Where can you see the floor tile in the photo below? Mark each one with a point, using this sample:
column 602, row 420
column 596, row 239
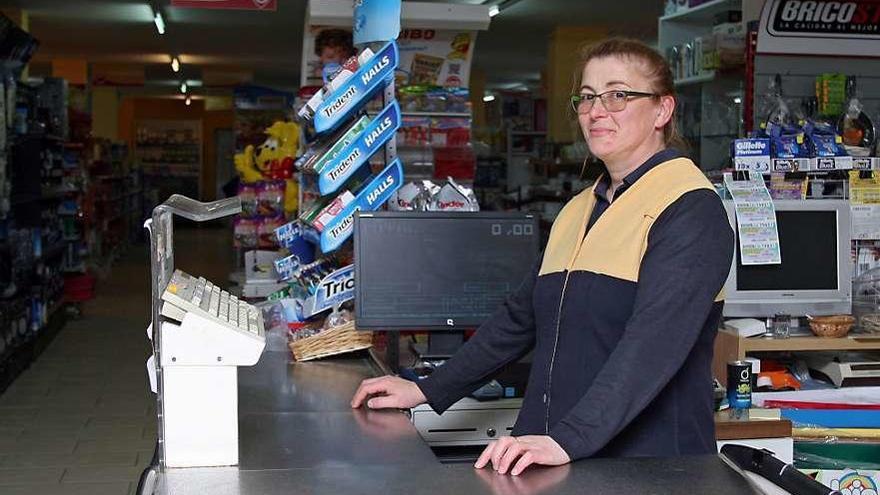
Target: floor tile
column 101, row 474
column 69, row 489
column 29, row 476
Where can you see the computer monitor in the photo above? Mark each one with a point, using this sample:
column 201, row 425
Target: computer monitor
column 439, row 270
column 814, row 277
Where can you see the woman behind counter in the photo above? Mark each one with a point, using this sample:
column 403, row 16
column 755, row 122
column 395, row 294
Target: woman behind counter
column 624, row 304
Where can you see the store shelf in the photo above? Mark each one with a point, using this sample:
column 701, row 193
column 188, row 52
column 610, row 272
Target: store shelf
column 75, row 269
column 702, row 14
column 731, row 347
column 854, row 342
column 53, row 251
column 702, row 78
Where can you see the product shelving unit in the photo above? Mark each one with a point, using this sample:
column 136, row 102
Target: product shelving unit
column 704, row 95
column 169, row 154
column 732, row 347
column 522, row 147
column 33, row 238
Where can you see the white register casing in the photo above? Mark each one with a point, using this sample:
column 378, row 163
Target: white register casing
column 200, row 378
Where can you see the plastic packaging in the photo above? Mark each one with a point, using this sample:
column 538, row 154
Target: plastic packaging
column 866, row 300
column 787, row 141
column 454, row 197
column 823, row 140
column 857, row 129
column 266, row 230
column 270, row 198
column 776, row 108
column 245, row 233
column 248, row 194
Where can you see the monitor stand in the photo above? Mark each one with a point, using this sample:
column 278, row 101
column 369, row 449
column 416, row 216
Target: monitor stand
column 441, row 345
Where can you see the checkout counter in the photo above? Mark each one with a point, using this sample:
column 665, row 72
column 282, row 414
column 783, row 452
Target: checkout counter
column 296, row 430
column 298, row 434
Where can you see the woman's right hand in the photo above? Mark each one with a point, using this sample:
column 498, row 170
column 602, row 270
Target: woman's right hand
column 388, row 392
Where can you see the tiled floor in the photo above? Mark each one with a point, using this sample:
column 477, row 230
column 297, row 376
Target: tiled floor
column 81, row 419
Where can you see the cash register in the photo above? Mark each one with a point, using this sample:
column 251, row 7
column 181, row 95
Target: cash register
column 204, row 335
column 444, row 273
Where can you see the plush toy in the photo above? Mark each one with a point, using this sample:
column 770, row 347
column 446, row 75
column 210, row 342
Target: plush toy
column 273, row 160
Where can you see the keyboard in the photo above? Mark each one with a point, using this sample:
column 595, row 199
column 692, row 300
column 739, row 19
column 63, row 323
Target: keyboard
column 185, row 294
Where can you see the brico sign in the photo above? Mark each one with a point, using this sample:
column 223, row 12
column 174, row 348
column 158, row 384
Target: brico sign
column 818, row 27
column 828, row 17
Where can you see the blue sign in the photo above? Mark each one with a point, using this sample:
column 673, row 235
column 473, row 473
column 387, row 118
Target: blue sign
column 354, row 93
column 333, row 290
column 376, row 20
column 370, row 198
column 358, row 152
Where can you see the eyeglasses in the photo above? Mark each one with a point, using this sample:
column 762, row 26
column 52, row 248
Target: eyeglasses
column 613, row 101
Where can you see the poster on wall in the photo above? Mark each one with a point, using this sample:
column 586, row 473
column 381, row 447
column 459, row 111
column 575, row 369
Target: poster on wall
column 428, row 57
column 850, row 28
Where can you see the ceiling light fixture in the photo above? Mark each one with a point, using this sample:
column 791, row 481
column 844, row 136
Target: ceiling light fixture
column 160, row 22
column 188, row 101
column 499, row 6
column 175, row 64
column 183, row 88
column 489, row 98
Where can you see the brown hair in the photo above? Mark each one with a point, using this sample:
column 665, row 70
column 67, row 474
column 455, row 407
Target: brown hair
column 334, row 38
column 655, row 68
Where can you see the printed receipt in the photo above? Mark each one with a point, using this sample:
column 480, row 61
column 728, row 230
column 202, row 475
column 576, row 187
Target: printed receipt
column 755, row 220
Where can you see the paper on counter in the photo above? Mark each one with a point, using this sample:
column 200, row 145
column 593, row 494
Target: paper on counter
column 755, row 220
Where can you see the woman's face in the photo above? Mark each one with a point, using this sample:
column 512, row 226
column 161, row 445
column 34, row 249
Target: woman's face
column 635, row 129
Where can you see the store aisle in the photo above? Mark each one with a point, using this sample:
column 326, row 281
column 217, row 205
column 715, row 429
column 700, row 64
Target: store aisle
column 81, row 420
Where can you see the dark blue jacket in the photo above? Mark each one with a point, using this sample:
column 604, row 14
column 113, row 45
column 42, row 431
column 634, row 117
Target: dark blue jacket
column 621, row 311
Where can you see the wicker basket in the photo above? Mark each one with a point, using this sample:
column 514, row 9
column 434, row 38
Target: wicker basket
column 342, row 339
column 832, row 326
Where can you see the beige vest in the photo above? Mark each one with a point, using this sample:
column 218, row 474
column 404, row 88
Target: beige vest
column 617, row 241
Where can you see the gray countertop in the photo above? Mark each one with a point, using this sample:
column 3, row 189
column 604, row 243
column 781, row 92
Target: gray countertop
column 299, row 435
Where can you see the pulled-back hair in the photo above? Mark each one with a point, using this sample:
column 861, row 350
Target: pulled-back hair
column 654, row 67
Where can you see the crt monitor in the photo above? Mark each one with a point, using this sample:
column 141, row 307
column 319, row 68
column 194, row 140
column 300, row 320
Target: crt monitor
column 814, row 277
column 439, row 270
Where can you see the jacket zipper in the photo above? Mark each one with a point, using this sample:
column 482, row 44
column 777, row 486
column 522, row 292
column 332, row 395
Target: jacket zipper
column 547, row 395
column 553, row 356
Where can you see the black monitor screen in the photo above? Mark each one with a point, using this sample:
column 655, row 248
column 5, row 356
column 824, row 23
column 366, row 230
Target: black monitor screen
column 808, row 245
column 425, row 270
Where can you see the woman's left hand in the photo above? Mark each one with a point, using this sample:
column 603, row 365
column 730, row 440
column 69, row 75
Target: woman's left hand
column 525, row 450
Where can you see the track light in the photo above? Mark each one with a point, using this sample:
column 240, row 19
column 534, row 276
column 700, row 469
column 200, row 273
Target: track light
column 183, row 88
column 494, row 10
column 160, row 22
column 175, row 64
column 489, row 98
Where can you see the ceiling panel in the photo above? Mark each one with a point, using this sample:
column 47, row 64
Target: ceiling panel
column 269, row 44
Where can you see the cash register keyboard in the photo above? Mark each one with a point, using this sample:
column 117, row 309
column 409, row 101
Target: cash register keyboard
column 185, row 293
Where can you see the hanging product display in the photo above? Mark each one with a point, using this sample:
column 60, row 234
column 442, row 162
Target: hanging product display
column 791, row 140
column 857, row 129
